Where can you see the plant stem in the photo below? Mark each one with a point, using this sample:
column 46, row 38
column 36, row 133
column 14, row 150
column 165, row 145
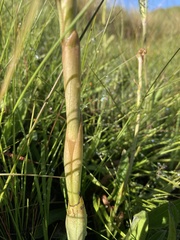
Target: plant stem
column 143, row 12
column 134, row 148
column 76, row 218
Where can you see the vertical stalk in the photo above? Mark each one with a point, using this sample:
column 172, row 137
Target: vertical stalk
column 143, row 13
column 76, row 218
column 134, row 150
column 141, row 63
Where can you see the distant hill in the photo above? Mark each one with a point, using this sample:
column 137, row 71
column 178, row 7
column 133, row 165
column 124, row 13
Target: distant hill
column 164, row 22
column 160, row 22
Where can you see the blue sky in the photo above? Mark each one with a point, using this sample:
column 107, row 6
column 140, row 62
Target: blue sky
column 152, row 4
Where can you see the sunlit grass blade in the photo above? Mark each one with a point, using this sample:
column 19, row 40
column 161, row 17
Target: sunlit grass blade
column 20, row 41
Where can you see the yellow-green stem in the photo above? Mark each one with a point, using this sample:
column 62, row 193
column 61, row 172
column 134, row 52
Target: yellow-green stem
column 143, row 12
column 73, row 151
column 67, row 12
column 134, row 149
column 76, row 219
column 140, row 57
column 73, row 140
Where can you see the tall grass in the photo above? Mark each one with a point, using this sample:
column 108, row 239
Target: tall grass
column 32, row 120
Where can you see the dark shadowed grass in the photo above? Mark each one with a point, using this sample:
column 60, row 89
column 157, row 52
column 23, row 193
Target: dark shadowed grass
column 32, row 197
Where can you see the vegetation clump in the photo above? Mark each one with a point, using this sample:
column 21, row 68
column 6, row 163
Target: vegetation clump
column 131, row 122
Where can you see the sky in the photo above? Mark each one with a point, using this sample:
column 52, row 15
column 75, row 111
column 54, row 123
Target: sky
column 152, row 4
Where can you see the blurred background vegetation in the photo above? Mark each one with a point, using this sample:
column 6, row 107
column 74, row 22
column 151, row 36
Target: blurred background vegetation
column 32, row 123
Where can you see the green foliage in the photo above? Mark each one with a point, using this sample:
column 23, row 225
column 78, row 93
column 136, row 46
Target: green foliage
column 164, row 220
column 32, row 126
column 139, row 227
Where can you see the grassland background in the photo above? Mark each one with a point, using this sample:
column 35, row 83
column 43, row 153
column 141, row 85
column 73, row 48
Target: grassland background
column 32, row 186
